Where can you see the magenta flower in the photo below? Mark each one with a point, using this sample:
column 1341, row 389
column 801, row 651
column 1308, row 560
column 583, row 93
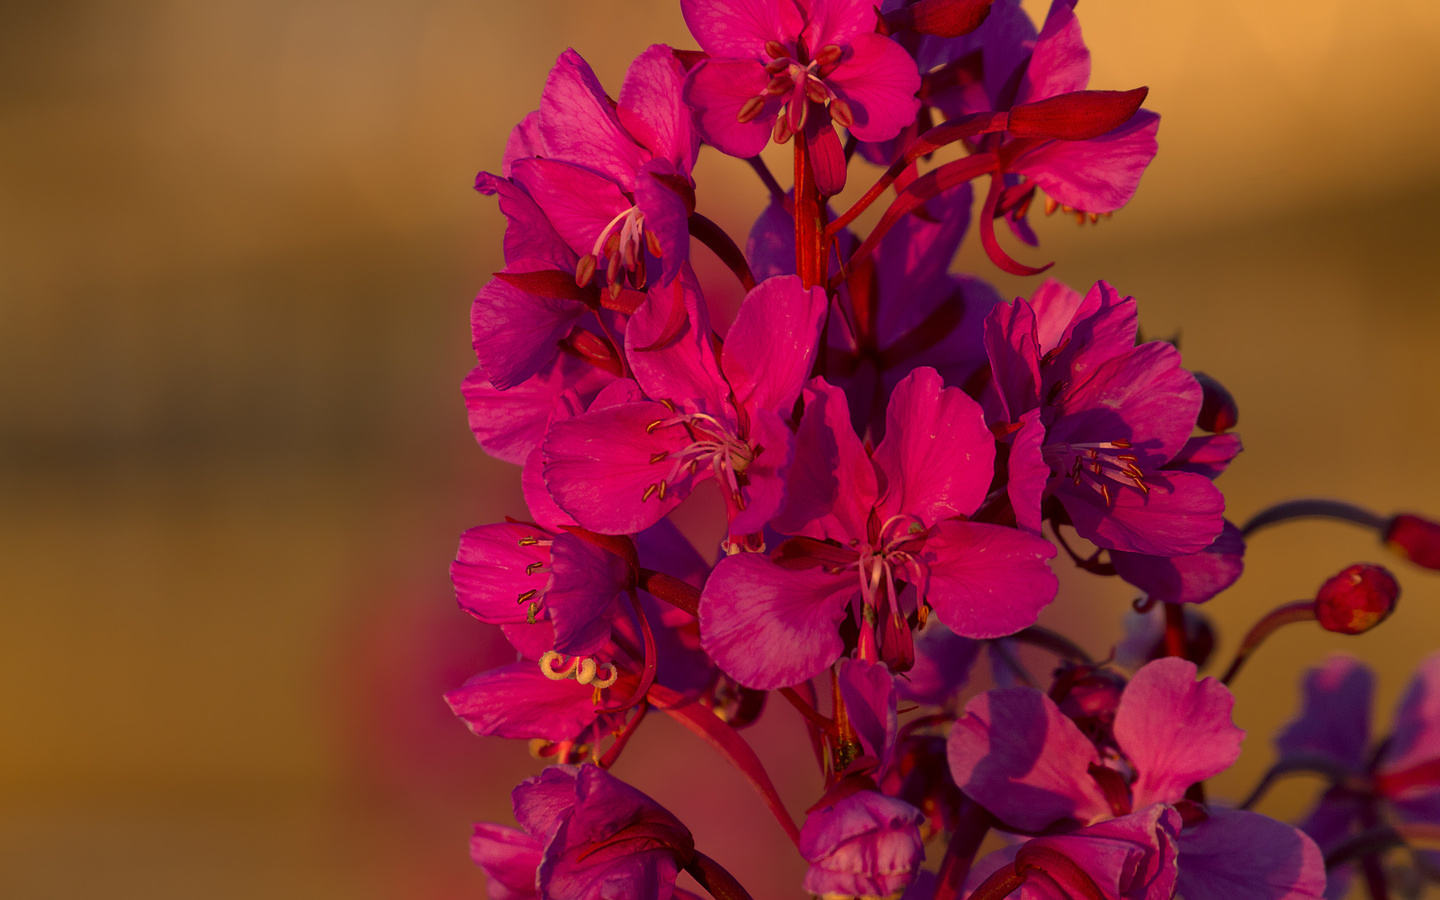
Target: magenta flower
column 863, row 844
column 882, row 541
column 509, row 858
column 1018, row 755
column 781, row 67
column 1398, row 780
column 1100, row 420
column 722, row 415
column 601, row 838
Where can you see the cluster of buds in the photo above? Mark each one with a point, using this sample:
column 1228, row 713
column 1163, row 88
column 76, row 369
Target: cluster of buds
column 902, row 457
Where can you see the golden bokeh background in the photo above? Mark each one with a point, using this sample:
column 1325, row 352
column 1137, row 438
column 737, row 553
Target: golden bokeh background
column 237, row 251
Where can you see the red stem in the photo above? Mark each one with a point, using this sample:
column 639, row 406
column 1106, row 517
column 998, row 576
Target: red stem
column 1175, row 630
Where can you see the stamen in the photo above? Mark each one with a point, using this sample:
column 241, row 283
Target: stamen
column 842, row 114
column 782, row 132
column 534, row 567
column 526, row 596
column 659, row 457
column 778, row 85
column 653, row 243
column 649, row 492
column 585, row 269
column 776, row 50
column 828, row 55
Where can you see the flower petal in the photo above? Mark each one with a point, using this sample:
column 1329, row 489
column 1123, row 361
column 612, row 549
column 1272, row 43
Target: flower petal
column 741, row 27
column 986, row 580
column 1244, row 854
column 1193, row 578
column 652, row 110
column 769, row 350
column 717, row 89
column 517, row 701
column 832, row 484
column 1334, row 719
column 1099, row 175
column 878, row 79
column 770, row 627
column 1180, row 515
column 580, row 127
column 938, row 457
column 1174, row 730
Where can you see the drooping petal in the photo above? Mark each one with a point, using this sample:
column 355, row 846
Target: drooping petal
column 542, row 801
column 878, row 80
column 1194, row 578
column 864, row 845
column 741, row 28
column 938, row 457
column 652, row 110
column 770, row 627
column 599, row 467
column 509, row 859
column 517, row 701
column 1244, row 854
column 1017, row 755
column 1099, row 175
column 986, row 580
column 1207, row 454
column 769, row 350
column 1174, row 730
column 832, row 485
column 493, row 568
column 510, row 424
column 717, row 89
column 579, row 125
column 1181, row 514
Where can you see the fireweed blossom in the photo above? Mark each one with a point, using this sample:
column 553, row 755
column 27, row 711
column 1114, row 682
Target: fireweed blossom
column 779, row 68
column 887, row 441
column 866, row 524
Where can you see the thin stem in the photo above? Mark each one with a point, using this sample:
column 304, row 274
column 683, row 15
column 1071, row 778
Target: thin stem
column 1313, row 509
column 1175, row 630
column 825, row 724
column 808, row 227
column 972, row 824
column 1007, row 655
column 777, row 193
column 1318, row 765
column 1058, row 644
column 1299, row 611
column 672, row 590
column 720, row 242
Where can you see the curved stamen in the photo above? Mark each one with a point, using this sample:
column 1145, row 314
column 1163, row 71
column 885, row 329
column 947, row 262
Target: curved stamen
column 1098, row 464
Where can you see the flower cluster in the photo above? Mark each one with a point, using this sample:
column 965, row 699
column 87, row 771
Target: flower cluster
column 902, row 458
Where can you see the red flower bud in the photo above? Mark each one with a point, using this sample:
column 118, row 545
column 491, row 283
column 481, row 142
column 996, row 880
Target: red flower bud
column 1357, row 599
column 1077, row 116
column 1416, row 539
column 1218, row 410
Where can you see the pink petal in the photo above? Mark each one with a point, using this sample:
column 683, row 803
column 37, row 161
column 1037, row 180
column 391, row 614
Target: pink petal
column 831, row 486
column 515, row 333
column 509, row 859
column 578, row 202
column 1207, row 454
column 1334, row 721
column 598, row 468
column 1175, row 731
column 741, row 28
column 584, row 582
column 665, row 217
column 1181, row 514
column 717, row 89
column 1054, row 304
column 769, row 627
column 1194, row 578
column 838, row 22
column 1415, row 739
column 770, row 348
column 652, row 110
column 1011, row 343
column 1244, row 854
column 1100, row 329
column 1099, row 175
column 988, row 581
column 525, row 140
column 1145, row 397
column 543, row 509
column 1059, row 63
column 579, row 126
column 668, row 345
column 528, row 231
column 489, row 571
column 938, row 457
column 869, row 691
column 517, row 701
column 765, row 491
column 879, row 80
column 1017, row 755
column 510, row 424
column 1028, row 473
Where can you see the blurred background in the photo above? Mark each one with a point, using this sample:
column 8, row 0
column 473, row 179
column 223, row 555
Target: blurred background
column 238, row 247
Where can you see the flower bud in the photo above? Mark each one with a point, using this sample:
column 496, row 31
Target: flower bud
column 1416, row 539
column 1218, row 410
column 942, row 18
column 1357, row 599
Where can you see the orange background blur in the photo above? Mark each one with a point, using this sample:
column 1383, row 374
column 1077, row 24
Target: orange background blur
column 237, row 251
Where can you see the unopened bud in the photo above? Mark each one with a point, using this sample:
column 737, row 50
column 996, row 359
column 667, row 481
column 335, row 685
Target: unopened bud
column 1077, row 116
column 1416, row 539
column 1218, row 411
column 1357, row 599
column 942, row 18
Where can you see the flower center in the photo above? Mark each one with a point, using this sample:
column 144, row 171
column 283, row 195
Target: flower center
column 1100, row 464
column 621, row 244
column 712, row 443
column 803, row 82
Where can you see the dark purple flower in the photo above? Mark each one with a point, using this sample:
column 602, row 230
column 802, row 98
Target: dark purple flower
column 872, row 522
column 1100, row 421
column 864, row 844
column 782, row 67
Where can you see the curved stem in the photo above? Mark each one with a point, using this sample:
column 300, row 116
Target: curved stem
column 1317, row 765
column 972, row 824
column 672, row 590
column 1299, row 611
column 1313, row 509
column 1056, row 643
column 714, row 878
column 777, row 193
column 719, row 241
